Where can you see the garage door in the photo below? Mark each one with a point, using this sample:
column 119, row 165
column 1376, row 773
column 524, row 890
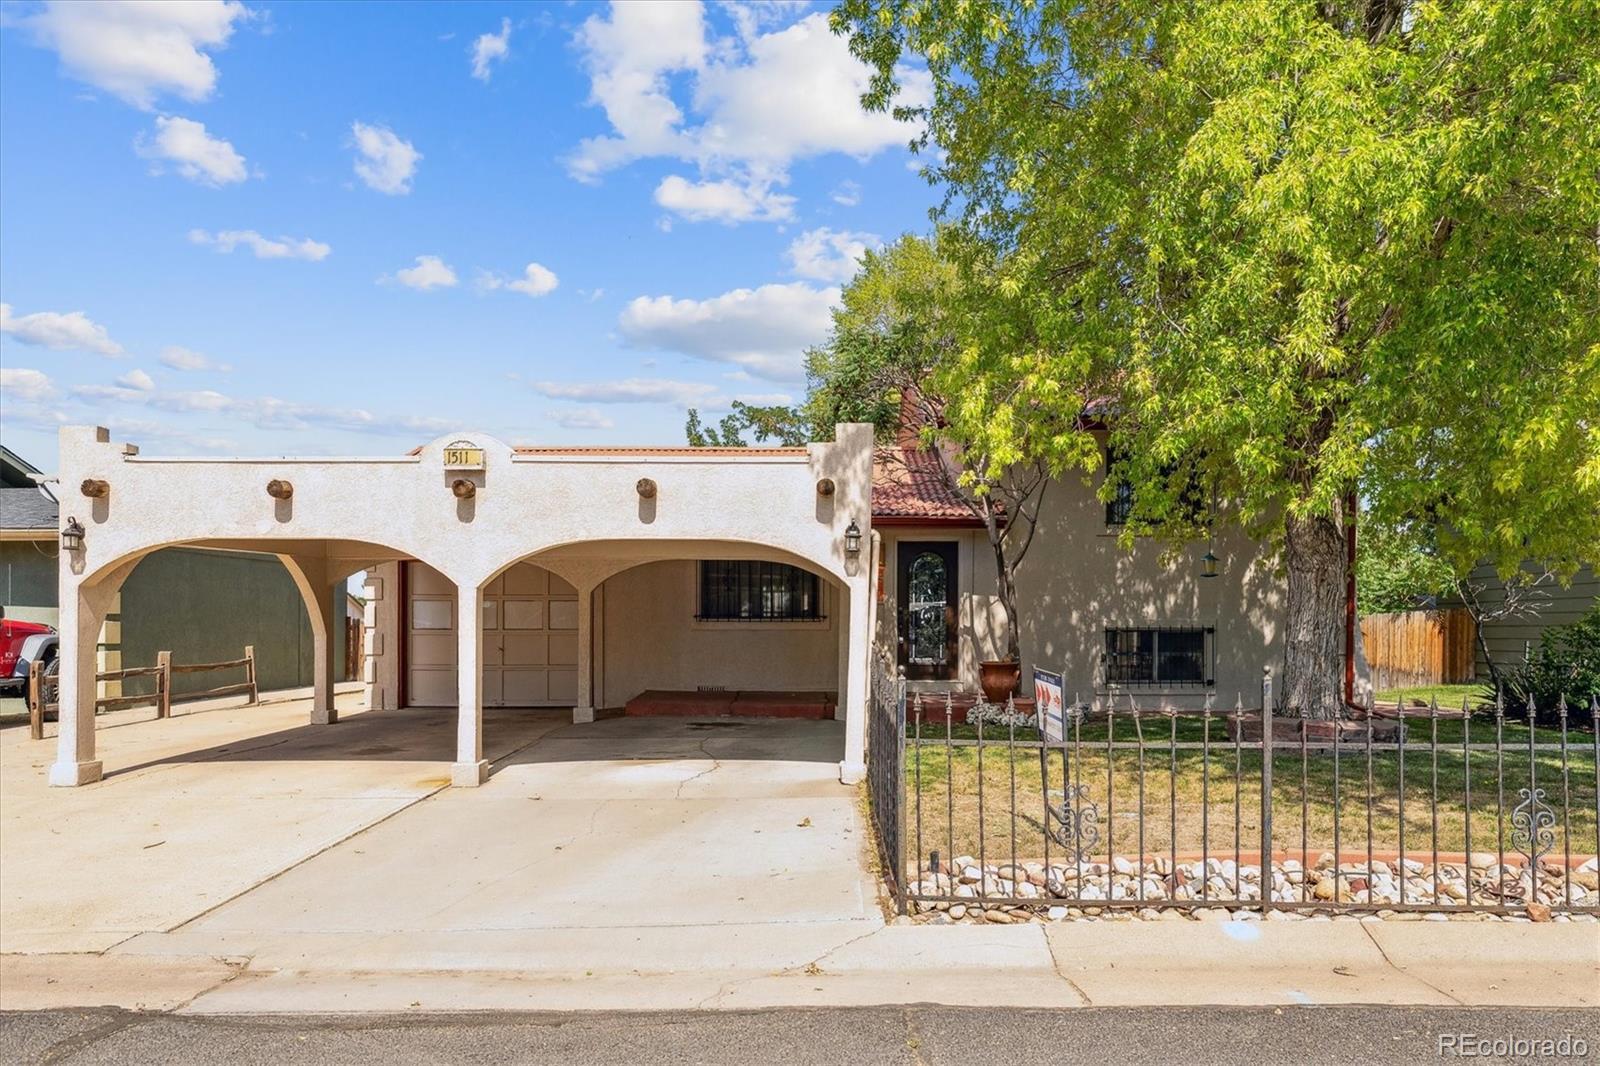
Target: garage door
column 530, row 639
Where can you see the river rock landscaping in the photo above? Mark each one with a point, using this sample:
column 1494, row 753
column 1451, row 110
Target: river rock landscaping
column 1219, row 889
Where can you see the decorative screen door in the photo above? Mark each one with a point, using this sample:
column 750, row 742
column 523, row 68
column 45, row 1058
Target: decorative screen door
column 926, row 588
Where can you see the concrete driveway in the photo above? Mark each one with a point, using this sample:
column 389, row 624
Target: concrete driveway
column 660, row 840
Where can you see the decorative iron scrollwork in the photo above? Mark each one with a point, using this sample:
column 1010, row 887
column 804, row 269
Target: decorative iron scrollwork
column 1533, row 825
column 1075, row 825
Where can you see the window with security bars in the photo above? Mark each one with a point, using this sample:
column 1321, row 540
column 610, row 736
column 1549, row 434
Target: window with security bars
column 1165, row 656
column 741, row 590
column 1119, row 508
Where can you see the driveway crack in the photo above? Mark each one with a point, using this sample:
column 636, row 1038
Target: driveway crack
column 716, row 765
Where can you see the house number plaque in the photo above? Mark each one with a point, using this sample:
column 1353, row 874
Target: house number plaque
column 463, row 455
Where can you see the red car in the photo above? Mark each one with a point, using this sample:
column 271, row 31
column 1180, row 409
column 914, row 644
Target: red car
column 12, row 634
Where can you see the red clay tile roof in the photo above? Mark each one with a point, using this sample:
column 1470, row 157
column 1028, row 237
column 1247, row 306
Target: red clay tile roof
column 908, row 486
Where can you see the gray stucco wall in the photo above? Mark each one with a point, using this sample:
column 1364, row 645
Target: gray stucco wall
column 1077, row 580
column 28, row 580
column 205, row 606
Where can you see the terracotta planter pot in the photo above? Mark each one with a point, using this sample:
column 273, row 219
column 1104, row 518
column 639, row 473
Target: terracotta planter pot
column 999, row 678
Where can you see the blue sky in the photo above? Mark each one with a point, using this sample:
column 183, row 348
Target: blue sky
column 326, row 228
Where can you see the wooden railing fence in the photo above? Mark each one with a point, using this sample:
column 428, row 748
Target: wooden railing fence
column 40, row 691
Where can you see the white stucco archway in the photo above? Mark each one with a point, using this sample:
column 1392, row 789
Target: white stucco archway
column 565, row 507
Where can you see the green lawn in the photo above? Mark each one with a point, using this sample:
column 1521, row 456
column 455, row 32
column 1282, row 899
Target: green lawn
column 1451, row 696
column 1197, row 801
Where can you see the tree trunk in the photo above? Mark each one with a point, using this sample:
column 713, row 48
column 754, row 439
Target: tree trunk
column 1314, row 651
column 1006, row 586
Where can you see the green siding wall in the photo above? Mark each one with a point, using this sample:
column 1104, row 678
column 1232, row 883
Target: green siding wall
column 28, row 579
column 205, row 606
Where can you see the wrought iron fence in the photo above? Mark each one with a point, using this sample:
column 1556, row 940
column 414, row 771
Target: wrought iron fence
column 1436, row 811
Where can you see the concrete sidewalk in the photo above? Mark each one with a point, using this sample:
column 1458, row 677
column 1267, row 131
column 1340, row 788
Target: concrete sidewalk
column 1066, row 965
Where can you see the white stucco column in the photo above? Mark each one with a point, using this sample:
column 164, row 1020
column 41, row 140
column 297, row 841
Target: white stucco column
column 81, row 612
column 853, row 694
column 327, row 647
column 583, row 710
column 470, row 768
column 320, row 593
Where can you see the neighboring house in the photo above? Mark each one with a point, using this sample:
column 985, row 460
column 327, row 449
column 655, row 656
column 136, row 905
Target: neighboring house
column 1509, row 638
column 27, row 543
column 201, row 605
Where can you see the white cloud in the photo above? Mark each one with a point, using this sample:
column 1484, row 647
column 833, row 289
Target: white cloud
column 431, row 272
column 60, row 331
column 138, row 51
column 179, row 358
column 629, row 56
column 798, row 94
column 846, row 193
column 759, row 100
column 581, row 418
column 197, row 155
column 536, row 280
column 765, row 330
column 490, row 48
column 137, row 379
column 31, row 386
column 386, row 163
column 168, row 434
column 723, row 201
column 263, row 247
column 627, row 390
column 263, row 412
column 830, row 255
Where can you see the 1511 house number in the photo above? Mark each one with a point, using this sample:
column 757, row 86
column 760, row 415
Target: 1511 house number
column 463, row 455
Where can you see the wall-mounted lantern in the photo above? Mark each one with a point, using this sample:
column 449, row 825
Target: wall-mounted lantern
column 825, row 487
column 279, row 489
column 463, row 489
column 1208, row 564
column 72, row 536
column 852, row 539
column 95, row 489
column 647, row 488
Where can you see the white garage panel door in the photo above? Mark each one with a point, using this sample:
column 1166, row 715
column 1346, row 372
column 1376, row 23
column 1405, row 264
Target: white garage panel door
column 530, row 639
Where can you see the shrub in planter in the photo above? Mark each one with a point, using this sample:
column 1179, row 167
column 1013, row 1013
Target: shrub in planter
column 1565, row 664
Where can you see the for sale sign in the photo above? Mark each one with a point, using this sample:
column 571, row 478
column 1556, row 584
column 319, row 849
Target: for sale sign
column 1050, row 706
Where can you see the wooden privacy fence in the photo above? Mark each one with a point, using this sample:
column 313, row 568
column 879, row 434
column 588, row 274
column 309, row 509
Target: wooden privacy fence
column 1411, row 648
column 42, row 695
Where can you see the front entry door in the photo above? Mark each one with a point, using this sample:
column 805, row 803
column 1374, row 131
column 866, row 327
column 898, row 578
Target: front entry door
column 929, row 633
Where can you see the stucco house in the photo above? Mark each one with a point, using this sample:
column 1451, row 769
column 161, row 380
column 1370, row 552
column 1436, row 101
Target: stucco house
column 661, row 580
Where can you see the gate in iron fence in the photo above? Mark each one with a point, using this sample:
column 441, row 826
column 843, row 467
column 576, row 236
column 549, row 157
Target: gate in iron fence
column 886, row 743
column 1437, row 811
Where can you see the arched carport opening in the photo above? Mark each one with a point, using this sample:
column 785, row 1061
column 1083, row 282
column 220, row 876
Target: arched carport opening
column 586, row 627
column 317, row 569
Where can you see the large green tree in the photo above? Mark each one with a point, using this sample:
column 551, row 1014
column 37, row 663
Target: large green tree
column 1318, row 252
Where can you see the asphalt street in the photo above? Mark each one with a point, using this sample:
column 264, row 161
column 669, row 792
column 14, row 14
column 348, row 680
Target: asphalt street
column 921, row 1036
